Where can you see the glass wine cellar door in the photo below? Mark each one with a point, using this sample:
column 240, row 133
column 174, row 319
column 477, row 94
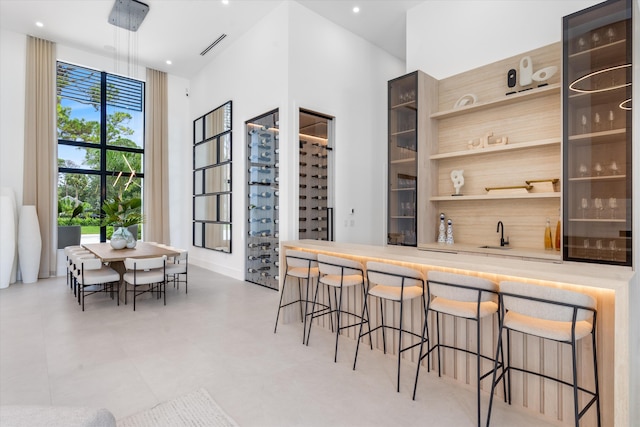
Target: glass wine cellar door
column 597, row 70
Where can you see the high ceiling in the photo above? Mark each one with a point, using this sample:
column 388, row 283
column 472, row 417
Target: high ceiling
column 178, row 30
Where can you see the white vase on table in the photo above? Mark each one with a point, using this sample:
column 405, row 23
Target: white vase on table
column 7, row 240
column 29, row 244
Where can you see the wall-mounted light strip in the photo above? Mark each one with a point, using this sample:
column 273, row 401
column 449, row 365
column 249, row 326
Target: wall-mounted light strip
column 625, row 105
column 212, row 45
column 573, row 85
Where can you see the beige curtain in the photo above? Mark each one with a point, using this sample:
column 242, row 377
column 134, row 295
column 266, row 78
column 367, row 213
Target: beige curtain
column 40, row 145
column 156, row 161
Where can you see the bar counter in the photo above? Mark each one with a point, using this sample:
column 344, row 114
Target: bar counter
column 611, row 286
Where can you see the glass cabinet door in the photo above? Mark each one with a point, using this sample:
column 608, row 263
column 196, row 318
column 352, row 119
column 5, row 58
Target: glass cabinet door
column 263, row 207
column 597, row 134
column 403, row 165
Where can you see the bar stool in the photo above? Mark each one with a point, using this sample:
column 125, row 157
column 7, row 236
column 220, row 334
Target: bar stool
column 338, row 273
column 465, row 297
column 303, row 266
column 554, row 314
column 397, row 284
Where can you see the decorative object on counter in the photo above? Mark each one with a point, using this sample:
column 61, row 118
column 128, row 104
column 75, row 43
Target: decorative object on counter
column 511, row 78
column 487, row 141
column 544, row 185
column 544, row 74
column 441, row 230
column 514, row 189
column 29, row 244
column 458, row 180
column 548, row 245
column 466, row 99
column 526, row 71
column 449, row 240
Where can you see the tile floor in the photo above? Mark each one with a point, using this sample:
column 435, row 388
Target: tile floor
column 220, row 337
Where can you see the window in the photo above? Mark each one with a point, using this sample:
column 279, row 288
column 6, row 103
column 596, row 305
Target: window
column 100, row 142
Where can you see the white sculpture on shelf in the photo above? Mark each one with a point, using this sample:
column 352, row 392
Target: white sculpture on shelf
column 458, row 180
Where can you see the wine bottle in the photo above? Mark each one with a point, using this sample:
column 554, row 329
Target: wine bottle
column 558, row 233
column 547, row 236
column 319, row 208
column 261, row 220
column 319, row 197
column 264, row 207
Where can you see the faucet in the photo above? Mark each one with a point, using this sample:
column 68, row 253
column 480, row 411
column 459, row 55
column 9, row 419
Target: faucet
column 500, row 229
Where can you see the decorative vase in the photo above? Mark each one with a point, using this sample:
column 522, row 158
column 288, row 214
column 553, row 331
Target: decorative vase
column 441, row 231
column 7, row 241
column 29, row 244
column 122, row 238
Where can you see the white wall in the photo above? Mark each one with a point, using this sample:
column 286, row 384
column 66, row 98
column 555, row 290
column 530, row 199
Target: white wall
column 252, row 73
column 282, row 64
column 12, row 92
column 332, row 71
column 447, row 37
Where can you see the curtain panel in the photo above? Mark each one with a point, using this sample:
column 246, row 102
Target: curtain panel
column 40, row 146
column 156, row 164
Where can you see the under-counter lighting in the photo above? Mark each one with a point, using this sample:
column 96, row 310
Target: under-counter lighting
column 39, row 24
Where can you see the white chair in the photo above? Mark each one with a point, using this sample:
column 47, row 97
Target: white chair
column 397, row 284
column 338, row 273
column 466, row 297
column 177, row 266
column 94, row 277
column 145, row 275
column 68, row 250
column 553, row 314
column 302, row 266
column 75, row 258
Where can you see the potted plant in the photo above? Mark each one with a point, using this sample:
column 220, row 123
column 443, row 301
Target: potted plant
column 122, row 213
column 68, row 233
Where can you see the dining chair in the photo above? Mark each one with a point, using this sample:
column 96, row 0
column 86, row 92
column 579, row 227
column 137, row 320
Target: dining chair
column 177, row 266
column 94, row 277
column 145, row 275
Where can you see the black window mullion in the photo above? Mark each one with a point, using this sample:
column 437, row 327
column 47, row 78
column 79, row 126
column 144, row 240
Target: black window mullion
column 103, row 147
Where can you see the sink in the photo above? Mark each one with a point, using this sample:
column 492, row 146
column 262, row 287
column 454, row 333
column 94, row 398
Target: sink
column 504, row 248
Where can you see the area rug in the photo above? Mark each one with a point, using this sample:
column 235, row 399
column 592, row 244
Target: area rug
column 193, row 409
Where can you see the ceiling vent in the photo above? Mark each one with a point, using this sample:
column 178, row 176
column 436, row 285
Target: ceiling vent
column 128, row 14
column 212, row 45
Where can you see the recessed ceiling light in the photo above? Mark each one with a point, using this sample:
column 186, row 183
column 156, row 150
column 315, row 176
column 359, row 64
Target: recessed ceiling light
column 169, row 62
column 356, row 9
column 225, row 2
column 39, row 24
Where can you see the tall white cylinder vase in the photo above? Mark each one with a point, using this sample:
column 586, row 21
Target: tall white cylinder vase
column 7, row 240
column 29, row 244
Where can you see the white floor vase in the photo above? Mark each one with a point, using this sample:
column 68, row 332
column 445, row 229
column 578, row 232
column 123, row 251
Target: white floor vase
column 29, row 244
column 7, row 240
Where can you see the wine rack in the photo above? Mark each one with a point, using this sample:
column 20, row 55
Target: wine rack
column 262, row 263
column 314, row 214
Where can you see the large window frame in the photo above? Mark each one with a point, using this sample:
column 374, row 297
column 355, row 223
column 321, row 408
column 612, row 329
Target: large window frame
column 130, row 95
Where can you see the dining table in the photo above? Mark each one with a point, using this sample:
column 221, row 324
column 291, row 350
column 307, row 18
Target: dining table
column 115, row 257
